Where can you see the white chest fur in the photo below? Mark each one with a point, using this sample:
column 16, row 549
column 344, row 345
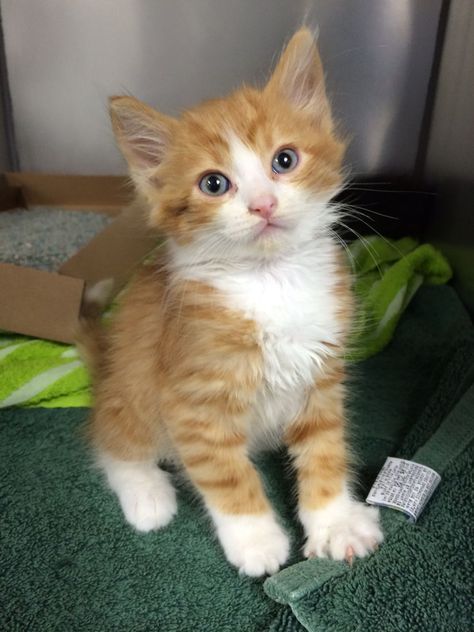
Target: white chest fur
column 293, row 304
column 292, row 301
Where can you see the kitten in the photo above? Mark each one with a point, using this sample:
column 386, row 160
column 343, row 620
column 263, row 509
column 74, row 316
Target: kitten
column 233, row 338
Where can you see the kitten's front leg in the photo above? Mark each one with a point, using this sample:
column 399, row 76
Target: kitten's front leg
column 214, row 455
column 335, row 524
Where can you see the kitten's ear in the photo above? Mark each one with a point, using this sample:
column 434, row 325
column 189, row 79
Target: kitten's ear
column 299, row 76
column 142, row 133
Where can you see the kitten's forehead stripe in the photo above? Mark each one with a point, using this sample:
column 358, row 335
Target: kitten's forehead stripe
column 252, row 176
column 242, row 112
column 203, row 134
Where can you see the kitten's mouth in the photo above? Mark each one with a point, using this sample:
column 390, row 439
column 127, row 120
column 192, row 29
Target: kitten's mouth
column 269, row 227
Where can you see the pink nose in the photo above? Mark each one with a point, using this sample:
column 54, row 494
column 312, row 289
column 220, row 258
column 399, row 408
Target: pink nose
column 264, row 205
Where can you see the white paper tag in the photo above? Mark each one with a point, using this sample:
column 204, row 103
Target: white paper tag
column 404, row 485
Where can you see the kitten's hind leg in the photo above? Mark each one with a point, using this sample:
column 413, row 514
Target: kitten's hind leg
column 128, row 439
column 145, row 492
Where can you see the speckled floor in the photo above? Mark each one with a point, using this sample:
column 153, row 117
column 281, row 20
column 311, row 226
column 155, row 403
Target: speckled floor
column 44, row 238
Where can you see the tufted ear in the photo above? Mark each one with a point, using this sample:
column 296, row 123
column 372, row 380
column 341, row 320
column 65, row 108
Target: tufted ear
column 299, row 76
column 142, row 133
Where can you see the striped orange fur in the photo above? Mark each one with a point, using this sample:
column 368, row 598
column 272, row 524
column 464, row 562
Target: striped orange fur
column 317, row 443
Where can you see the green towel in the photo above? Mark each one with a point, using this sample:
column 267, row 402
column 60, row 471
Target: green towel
column 421, row 579
column 387, row 275
column 37, row 372
column 69, row 562
column 47, row 374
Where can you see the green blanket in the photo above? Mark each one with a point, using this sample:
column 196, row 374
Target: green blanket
column 422, row 577
column 387, row 275
column 69, row 561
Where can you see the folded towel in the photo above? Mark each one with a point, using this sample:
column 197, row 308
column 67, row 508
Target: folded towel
column 47, row 374
column 70, row 562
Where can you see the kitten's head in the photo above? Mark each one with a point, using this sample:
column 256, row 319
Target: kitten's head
column 250, row 174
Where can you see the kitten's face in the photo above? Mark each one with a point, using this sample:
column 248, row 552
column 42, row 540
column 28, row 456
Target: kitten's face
column 250, row 174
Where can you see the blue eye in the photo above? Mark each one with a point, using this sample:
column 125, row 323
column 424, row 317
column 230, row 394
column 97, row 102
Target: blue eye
column 214, row 184
column 284, row 160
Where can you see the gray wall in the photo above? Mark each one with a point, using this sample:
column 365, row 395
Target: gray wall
column 4, row 100
column 66, row 57
column 4, row 158
column 450, row 156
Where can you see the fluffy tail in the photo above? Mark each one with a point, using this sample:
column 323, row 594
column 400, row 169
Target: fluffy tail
column 90, row 337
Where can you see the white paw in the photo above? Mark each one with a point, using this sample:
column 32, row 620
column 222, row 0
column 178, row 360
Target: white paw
column 342, row 530
column 148, row 506
column 146, row 495
column 255, row 544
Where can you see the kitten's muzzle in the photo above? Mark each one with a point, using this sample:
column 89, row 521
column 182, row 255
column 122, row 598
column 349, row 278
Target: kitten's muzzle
column 264, row 206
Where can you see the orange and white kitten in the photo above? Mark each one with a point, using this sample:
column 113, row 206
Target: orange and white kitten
column 233, row 338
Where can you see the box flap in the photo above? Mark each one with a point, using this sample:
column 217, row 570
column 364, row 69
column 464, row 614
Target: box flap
column 40, row 304
column 47, row 305
column 115, row 251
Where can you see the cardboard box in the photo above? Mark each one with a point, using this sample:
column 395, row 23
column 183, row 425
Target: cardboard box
column 46, row 304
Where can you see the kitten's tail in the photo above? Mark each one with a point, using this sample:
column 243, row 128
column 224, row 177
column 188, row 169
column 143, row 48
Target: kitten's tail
column 90, row 335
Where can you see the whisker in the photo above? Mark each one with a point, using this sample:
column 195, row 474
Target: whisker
column 361, row 209
column 341, row 241
column 389, row 243
column 364, row 241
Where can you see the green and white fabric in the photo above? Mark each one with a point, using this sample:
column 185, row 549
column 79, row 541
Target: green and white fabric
column 387, row 275
column 41, row 373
